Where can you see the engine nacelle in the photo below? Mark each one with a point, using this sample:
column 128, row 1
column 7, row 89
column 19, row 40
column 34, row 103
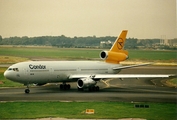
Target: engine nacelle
column 85, row 83
column 114, row 57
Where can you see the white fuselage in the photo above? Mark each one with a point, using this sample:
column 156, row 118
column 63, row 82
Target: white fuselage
column 56, row 71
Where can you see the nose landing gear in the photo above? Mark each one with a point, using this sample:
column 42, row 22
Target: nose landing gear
column 27, row 90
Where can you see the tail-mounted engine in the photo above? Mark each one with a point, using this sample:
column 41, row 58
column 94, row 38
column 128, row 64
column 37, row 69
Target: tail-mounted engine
column 114, row 57
column 117, row 52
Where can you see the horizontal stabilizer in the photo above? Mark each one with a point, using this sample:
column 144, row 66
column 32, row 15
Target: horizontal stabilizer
column 131, row 66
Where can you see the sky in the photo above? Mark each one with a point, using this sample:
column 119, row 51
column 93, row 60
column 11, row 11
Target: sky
column 142, row 18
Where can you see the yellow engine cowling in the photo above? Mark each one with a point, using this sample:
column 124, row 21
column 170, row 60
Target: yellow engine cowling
column 114, row 57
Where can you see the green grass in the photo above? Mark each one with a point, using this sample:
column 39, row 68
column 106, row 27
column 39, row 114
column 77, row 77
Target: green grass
column 73, row 53
column 106, row 110
column 153, row 55
column 11, row 59
column 49, row 52
column 172, row 82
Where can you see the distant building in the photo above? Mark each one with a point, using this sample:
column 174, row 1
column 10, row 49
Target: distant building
column 172, row 42
column 106, row 44
column 164, row 42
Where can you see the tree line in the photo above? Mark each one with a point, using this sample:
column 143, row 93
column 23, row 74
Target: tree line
column 75, row 42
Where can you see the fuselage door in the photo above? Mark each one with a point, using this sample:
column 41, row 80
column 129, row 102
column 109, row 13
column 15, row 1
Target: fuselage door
column 26, row 74
column 51, row 76
column 51, row 71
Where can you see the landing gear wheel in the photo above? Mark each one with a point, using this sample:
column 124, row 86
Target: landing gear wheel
column 97, row 88
column 68, row 86
column 65, row 86
column 27, row 91
column 94, row 88
column 61, row 87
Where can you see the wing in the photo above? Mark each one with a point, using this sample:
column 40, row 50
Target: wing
column 106, row 76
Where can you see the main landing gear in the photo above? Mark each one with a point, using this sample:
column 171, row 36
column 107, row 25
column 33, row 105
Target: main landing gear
column 91, row 89
column 94, row 88
column 65, row 86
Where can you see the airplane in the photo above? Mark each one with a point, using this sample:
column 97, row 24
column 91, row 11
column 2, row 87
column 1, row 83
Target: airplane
column 85, row 73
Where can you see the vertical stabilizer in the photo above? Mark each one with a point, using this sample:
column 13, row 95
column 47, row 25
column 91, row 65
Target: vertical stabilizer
column 120, row 41
column 117, row 52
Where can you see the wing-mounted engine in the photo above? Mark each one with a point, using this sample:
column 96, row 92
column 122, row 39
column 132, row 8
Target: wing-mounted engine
column 114, row 57
column 86, row 82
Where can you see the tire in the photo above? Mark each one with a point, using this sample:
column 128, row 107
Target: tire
column 27, row 91
column 97, row 88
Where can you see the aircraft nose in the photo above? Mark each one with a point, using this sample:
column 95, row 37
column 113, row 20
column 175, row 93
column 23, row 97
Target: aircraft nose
column 6, row 74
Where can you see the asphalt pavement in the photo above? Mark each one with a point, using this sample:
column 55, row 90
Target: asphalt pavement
column 127, row 90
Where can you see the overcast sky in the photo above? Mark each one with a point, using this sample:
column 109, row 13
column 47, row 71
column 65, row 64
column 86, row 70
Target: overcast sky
column 142, row 18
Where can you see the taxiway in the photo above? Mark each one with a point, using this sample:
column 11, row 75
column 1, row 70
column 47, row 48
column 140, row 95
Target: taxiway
column 127, row 90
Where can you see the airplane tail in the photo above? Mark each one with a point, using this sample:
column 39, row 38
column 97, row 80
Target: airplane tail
column 117, row 52
column 120, row 41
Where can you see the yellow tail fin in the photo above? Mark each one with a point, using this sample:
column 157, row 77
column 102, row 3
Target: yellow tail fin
column 120, row 41
column 117, row 52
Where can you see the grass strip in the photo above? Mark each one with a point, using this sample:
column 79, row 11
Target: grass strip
column 73, row 53
column 106, row 110
column 172, row 82
column 11, row 59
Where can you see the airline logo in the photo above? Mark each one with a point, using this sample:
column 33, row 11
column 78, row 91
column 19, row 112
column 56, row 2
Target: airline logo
column 37, row 66
column 120, row 43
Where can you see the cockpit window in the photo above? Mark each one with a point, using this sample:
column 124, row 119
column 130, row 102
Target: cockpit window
column 10, row 69
column 14, row 69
